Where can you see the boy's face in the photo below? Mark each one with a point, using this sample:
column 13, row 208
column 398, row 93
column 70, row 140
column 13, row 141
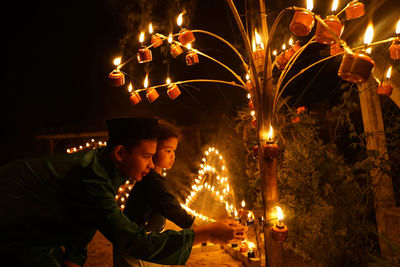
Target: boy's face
column 165, row 156
column 137, row 162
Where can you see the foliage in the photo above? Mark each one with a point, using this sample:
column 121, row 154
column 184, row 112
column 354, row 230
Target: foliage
column 324, row 182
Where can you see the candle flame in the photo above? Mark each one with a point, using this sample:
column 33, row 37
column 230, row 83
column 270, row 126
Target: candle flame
column 243, row 204
column 279, row 213
column 130, row 88
column 389, row 72
column 168, row 80
column 150, row 28
column 146, row 81
column 398, row 27
column 117, row 61
column 170, row 38
column 248, row 96
column 310, row 5
column 369, row 34
column 335, row 5
column 257, row 37
column 141, row 37
column 369, row 50
column 284, row 46
column 251, row 245
column 274, row 53
column 236, row 213
column 189, row 46
column 253, row 44
column 270, row 133
column 291, row 41
column 247, row 76
column 179, row 20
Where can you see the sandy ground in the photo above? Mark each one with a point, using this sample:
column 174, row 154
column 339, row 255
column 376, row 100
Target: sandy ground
column 100, row 255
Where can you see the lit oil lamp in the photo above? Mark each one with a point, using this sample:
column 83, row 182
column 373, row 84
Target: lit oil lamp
column 191, row 57
column 134, row 97
column 303, row 21
column 185, row 36
column 354, row 10
column 270, row 148
column 250, row 219
column 356, row 68
column 385, row 88
column 281, row 61
column 156, row 39
column 394, row 48
column 251, row 254
column 322, row 35
column 173, row 90
column 258, row 53
column 249, row 83
column 176, row 50
column 243, row 247
column 117, row 78
column 279, row 231
column 251, row 105
column 151, row 93
column 254, row 122
column 144, row 54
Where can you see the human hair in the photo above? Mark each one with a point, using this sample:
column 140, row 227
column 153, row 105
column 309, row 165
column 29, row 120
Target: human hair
column 129, row 144
column 167, row 130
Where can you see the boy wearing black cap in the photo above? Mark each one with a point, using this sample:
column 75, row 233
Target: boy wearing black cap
column 62, row 200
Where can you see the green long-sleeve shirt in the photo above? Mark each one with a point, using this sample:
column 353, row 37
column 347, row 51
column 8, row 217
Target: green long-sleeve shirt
column 62, row 200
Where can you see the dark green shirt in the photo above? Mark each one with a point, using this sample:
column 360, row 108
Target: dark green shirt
column 62, row 200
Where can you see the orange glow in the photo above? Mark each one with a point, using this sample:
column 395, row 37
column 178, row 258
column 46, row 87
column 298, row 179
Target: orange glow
column 389, row 72
column 369, row 34
column 150, row 28
column 335, row 5
column 257, row 36
column 141, row 37
column 270, row 133
column 179, row 20
column 279, row 213
column 310, row 5
column 117, row 61
column 146, row 81
column 130, row 88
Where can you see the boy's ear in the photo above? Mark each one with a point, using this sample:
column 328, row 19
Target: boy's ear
column 117, row 153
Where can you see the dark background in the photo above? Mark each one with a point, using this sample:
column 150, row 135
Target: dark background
column 57, row 56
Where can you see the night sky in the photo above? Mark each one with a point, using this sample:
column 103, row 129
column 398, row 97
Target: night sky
column 57, row 56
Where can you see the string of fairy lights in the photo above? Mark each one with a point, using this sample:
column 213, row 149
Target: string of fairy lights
column 92, row 144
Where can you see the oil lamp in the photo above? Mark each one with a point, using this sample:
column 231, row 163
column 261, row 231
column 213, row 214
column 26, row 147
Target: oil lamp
column 249, row 83
column 258, row 53
column 151, row 93
column 354, row 10
column 144, row 54
column 279, row 231
column 394, row 48
column 356, row 68
column 173, row 90
column 251, row 105
column 250, row 220
column 281, row 61
column 322, row 35
column 303, row 21
column 270, row 148
column 251, row 253
column 301, row 109
column 254, row 122
column 134, row 97
column 243, row 247
column 117, row 78
column 185, row 36
column 155, row 40
column 385, row 88
column 176, row 50
column 191, row 57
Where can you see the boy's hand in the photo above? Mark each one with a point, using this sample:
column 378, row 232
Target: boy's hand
column 221, row 232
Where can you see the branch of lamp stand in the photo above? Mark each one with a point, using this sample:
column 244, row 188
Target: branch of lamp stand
column 194, row 81
column 246, row 42
column 324, row 59
column 227, row 43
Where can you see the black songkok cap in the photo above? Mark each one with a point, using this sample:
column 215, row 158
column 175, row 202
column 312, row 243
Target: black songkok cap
column 123, row 129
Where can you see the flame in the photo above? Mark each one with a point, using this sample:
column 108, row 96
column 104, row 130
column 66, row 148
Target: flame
column 236, row 213
column 247, row 76
column 369, row 34
column 274, row 53
column 179, row 20
column 130, row 88
column 150, row 28
column 284, row 47
column 398, row 27
column 257, row 37
column 369, row 50
column 251, row 245
column 248, row 96
column 141, row 37
column 335, row 5
column 253, row 44
column 270, row 133
column 168, row 80
column 253, row 113
column 170, row 38
column 117, row 61
column 389, row 72
column 189, row 46
column 279, row 213
column 146, row 81
column 291, row 41
column 310, row 5
column 243, row 204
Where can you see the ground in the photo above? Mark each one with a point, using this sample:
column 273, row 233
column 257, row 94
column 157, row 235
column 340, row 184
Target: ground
column 100, row 255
